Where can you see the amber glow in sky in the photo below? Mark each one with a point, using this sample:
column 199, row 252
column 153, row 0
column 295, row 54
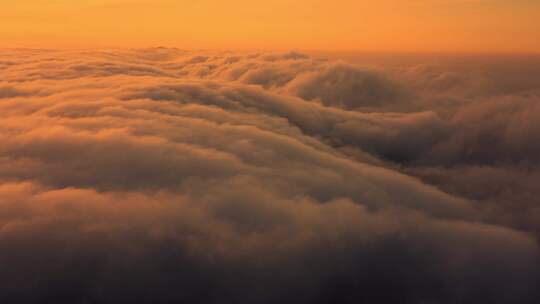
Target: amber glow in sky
column 384, row 25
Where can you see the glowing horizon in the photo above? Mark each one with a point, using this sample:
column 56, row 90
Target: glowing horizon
column 470, row 26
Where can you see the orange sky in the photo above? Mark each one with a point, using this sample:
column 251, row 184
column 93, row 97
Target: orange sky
column 382, row 25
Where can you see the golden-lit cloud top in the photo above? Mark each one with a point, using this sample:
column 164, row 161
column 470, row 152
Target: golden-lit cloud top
column 388, row 25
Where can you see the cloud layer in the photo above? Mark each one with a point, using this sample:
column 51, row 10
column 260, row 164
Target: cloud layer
column 167, row 176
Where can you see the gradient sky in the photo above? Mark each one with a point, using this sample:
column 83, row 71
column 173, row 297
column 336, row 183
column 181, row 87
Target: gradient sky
column 383, row 25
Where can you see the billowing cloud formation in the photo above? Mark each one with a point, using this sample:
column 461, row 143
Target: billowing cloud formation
column 165, row 176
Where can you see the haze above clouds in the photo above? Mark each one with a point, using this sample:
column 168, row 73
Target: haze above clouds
column 464, row 26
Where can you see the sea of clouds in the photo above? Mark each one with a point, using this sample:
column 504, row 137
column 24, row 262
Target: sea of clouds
column 170, row 176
